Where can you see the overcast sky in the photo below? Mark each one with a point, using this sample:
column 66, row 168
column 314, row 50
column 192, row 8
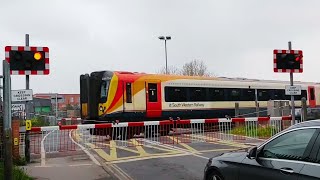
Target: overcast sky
column 235, row 38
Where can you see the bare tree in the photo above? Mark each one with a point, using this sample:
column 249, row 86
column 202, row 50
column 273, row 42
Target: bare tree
column 195, row 68
column 171, row 70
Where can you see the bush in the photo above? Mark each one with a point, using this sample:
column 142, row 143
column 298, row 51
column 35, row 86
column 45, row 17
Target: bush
column 18, row 173
column 261, row 131
column 20, row 161
column 39, row 121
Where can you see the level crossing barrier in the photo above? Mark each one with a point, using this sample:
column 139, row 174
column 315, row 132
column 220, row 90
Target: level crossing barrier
column 66, row 138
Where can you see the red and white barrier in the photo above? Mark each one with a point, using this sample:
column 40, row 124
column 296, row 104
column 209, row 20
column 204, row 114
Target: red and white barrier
column 67, row 137
column 157, row 123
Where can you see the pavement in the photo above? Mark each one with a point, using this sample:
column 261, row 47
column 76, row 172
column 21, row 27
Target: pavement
column 77, row 167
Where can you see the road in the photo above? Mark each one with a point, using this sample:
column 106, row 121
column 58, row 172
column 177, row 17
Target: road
column 152, row 160
column 166, row 157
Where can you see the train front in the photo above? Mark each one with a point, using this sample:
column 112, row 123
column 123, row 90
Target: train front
column 94, row 92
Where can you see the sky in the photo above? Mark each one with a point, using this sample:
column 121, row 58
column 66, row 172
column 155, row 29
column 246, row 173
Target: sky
column 234, row 38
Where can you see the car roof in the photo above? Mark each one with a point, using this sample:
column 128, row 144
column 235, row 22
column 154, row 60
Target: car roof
column 310, row 123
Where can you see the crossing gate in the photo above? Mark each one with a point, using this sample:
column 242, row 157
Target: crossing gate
column 68, row 138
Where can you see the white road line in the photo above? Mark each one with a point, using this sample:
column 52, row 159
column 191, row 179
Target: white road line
column 75, row 165
column 70, row 165
column 43, row 151
column 85, row 150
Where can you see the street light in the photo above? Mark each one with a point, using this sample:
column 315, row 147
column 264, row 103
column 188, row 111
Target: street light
column 165, row 38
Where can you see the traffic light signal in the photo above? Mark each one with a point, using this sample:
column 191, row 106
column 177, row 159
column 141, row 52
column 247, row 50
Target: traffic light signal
column 28, row 60
column 288, row 61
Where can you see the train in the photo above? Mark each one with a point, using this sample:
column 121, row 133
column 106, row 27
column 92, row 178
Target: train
column 109, row 96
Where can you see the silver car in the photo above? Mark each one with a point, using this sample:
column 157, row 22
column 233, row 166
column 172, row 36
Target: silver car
column 293, row 154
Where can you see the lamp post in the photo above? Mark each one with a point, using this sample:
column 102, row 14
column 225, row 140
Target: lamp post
column 165, row 38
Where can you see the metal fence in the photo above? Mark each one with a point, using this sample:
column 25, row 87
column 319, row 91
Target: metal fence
column 69, row 138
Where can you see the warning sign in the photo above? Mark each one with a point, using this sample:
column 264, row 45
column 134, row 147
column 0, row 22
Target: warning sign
column 28, row 125
column 21, row 95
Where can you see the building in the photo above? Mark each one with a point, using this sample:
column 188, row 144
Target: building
column 68, row 104
column 63, row 99
column 38, row 106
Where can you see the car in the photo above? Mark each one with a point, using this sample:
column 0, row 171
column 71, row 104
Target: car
column 292, row 154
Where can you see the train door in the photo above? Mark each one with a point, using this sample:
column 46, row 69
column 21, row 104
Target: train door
column 127, row 96
column 312, row 97
column 84, row 96
column 153, row 99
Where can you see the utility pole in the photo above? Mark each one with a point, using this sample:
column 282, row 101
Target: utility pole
column 8, row 164
column 27, row 138
column 293, row 112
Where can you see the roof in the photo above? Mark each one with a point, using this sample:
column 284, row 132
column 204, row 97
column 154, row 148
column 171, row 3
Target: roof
column 306, row 124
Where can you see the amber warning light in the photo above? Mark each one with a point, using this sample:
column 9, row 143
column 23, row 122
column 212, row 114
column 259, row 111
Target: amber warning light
column 37, row 56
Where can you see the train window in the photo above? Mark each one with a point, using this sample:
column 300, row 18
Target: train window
column 152, row 92
column 279, row 94
column 104, row 91
column 312, row 97
column 175, row 94
column 215, row 94
column 128, row 93
column 233, row 94
column 264, row 94
column 248, row 95
column 197, row 94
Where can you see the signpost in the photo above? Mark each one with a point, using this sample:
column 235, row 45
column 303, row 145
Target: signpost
column 289, row 61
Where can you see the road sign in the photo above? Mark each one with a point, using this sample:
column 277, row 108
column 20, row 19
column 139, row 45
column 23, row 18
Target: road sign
column 18, row 107
column 28, row 125
column 21, row 95
column 288, row 61
column 293, row 90
column 26, row 60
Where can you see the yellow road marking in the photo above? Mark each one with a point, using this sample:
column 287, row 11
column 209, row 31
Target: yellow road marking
column 141, row 151
column 183, row 144
column 230, row 143
column 113, row 149
column 150, row 156
column 215, row 150
column 101, row 153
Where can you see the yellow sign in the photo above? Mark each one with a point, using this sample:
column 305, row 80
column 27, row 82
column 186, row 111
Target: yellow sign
column 28, row 125
column 16, row 141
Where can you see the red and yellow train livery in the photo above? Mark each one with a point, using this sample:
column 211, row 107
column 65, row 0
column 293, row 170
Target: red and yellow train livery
column 127, row 96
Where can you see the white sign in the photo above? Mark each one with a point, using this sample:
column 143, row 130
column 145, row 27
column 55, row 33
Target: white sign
column 293, row 90
column 21, row 95
column 18, row 107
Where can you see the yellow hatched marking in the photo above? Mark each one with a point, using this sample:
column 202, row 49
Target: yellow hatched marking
column 141, row 151
column 183, row 144
column 101, row 153
column 149, row 156
column 230, row 143
column 113, row 150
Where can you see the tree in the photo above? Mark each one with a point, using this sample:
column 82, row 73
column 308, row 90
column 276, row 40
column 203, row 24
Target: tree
column 195, row 68
column 171, row 70
column 69, row 107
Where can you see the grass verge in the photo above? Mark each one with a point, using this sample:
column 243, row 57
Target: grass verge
column 260, row 132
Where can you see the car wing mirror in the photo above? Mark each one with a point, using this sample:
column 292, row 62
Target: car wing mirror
column 252, row 153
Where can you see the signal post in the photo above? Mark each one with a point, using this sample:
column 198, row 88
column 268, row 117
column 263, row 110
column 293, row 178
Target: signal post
column 20, row 60
column 289, row 61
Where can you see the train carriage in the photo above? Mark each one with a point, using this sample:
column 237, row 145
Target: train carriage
column 127, row 96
